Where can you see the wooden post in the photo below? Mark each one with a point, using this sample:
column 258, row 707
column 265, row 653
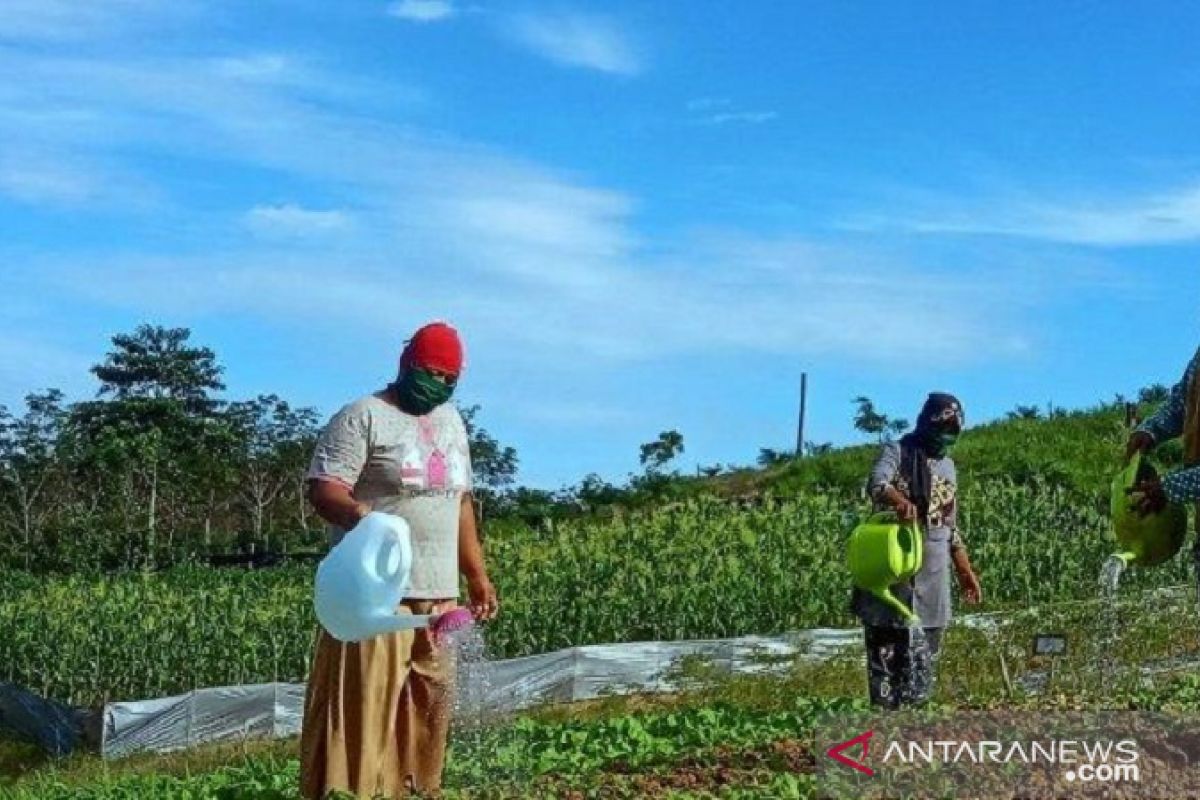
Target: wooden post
column 1008, row 684
column 803, row 409
column 1131, row 415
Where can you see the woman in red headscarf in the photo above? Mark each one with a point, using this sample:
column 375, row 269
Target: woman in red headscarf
column 377, row 712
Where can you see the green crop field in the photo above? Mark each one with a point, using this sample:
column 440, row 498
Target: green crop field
column 705, row 568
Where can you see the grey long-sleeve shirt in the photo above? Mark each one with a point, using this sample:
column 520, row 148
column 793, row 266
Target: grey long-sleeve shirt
column 1181, row 486
column 943, row 504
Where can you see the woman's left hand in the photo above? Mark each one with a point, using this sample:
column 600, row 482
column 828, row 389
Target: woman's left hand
column 1148, row 497
column 484, row 602
column 968, row 584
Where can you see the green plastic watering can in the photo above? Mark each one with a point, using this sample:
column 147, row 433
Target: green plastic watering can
column 1145, row 541
column 883, row 552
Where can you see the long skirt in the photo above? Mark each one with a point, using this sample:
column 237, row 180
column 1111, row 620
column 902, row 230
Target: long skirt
column 377, row 714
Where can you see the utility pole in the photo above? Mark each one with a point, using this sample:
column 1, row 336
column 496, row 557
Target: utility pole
column 803, row 408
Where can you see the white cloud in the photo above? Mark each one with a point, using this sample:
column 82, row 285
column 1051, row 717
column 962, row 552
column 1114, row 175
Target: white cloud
column 262, row 67
column 422, row 10
column 447, row 228
column 293, row 220
column 745, row 296
column 73, row 20
column 577, row 40
column 58, row 179
column 1158, row 218
column 721, row 111
column 746, row 117
column 39, row 184
column 708, row 103
column 541, row 231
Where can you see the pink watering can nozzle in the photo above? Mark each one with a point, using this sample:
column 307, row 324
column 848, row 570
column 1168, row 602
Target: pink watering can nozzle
column 451, row 622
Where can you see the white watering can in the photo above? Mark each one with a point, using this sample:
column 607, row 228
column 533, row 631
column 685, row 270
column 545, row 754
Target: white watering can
column 362, row 580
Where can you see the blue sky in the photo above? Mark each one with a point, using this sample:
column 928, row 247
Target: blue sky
column 641, row 216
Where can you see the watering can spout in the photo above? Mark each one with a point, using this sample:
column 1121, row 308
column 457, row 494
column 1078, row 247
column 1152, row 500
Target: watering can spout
column 899, row 607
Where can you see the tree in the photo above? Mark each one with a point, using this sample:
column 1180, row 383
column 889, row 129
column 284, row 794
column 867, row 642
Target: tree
column 140, row 450
column 1153, row 394
column 657, row 454
column 532, row 505
column 494, row 465
column 813, row 449
column 868, row 420
column 271, row 445
column 156, row 362
column 1025, row 412
column 153, row 423
column 28, row 460
column 769, row 456
column 594, row 491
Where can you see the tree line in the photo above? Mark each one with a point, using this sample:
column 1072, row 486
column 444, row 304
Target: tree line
column 157, row 470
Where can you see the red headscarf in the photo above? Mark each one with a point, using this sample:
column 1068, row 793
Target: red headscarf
column 434, row 346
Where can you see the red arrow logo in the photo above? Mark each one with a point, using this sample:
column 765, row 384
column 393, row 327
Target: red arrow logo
column 837, row 753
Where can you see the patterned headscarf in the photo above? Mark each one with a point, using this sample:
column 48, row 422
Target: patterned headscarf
column 941, row 413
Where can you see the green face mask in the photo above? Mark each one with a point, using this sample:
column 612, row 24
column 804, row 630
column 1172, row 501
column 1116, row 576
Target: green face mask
column 947, row 440
column 419, row 392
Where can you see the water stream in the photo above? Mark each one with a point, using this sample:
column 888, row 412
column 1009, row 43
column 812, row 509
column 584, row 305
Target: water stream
column 1110, row 619
column 475, row 749
column 919, row 686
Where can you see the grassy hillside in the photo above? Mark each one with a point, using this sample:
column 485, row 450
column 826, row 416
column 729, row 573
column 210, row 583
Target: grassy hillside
column 1078, row 451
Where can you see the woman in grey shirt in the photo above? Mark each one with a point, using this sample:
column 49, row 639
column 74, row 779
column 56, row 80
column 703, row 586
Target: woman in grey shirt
column 916, row 479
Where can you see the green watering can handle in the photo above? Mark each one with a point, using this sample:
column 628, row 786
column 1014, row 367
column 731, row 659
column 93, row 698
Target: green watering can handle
column 890, row 516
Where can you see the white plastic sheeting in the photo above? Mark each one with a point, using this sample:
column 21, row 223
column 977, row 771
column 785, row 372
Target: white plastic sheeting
column 204, row 716
column 579, row 673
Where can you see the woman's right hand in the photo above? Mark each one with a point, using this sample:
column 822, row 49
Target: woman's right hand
column 1139, row 442
column 906, row 510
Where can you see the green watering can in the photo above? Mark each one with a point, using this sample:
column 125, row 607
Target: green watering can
column 1145, row 541
column 883, row 552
